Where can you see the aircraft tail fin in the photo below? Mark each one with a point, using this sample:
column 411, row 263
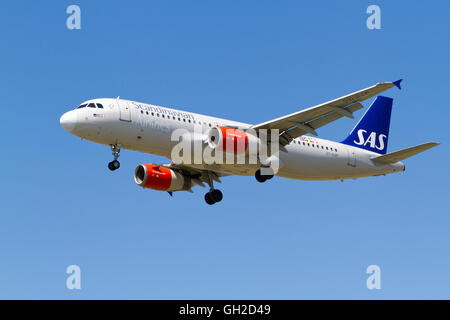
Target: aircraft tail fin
column 403, row 154
column 372, row 131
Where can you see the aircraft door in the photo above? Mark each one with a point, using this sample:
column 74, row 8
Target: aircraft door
column 124, row 109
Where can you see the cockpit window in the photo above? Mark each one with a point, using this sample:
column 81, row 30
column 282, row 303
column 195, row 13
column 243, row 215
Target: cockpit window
column 99, row 105
column 91, row 105
column 82, row 106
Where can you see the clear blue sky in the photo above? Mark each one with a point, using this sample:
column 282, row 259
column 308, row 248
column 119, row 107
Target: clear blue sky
column 248, row 61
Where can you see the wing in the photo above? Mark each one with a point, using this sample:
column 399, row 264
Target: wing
column 306, row 121
column 198, row 176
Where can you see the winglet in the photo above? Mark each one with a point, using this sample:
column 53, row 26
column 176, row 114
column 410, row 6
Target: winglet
column 397, row 83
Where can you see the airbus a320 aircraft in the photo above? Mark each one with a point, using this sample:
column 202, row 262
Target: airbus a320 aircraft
column 124, row 124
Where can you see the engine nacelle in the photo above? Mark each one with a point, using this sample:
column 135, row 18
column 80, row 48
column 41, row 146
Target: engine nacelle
column 232, row 140
column 160, row 178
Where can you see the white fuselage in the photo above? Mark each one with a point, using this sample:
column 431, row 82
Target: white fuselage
column 148, row 128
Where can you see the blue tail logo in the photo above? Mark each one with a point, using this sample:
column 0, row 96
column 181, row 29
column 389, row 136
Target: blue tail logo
column 372, row 131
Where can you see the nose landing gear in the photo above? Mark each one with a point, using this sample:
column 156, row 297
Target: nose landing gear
column 115, row 164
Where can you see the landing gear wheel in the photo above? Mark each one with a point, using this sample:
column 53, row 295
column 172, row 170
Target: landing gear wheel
column 259, row 177
column 216, row 195
column 114, row 165
column 208, row 199
column 268, row 177
column 263, row 177
column 213, row 195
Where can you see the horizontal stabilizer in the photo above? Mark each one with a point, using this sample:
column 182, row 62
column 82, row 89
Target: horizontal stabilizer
column 405, row 153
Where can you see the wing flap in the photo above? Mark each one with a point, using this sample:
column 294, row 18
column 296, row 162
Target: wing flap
column 320, row 122
column 198, row 176
column 403, row 154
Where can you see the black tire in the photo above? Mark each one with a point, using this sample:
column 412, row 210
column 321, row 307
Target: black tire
column 111, row 166
column 216, row 195
column 208, row 199
column 268, row 177
column 269, row 173
column 116, row 164
column 259, row 177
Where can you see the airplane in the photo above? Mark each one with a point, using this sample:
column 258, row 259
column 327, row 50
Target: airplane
column 124, row 124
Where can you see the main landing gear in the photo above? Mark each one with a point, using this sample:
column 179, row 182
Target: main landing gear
column 262, row 178
column 213, row 195
column 114, row 165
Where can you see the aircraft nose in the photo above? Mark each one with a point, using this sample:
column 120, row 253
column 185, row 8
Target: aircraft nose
column 68, row 121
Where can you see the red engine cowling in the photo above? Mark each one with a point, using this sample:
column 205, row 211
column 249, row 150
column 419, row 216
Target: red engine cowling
column 160, row 178
column 230, row 140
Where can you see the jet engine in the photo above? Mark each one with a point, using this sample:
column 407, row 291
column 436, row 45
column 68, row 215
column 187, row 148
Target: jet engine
column 232, row 140
column 160, row 178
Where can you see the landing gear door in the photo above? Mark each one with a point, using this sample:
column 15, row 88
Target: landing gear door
column 351, row 161
column 124, row 109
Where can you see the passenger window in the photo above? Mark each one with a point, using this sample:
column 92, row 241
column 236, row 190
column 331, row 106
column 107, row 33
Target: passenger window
column 91, row 105
column 184, row 120
column 327, row 148
column 142, row 112
column 146, row 112
column 163, row 116
column 153, row 114
column 82, row 106
column 335, row 150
